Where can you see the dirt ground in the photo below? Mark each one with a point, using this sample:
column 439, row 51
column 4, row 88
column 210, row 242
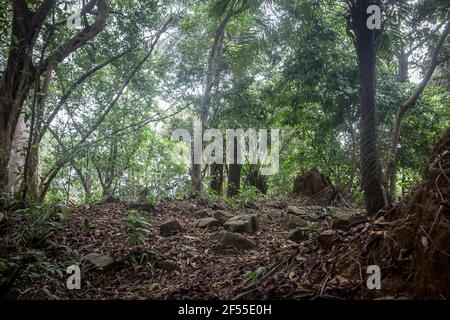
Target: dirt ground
column 330, row 264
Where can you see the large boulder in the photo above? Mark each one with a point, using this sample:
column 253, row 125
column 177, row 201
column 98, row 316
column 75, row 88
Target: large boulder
column 170, row 227
column 311, row 183
column 242, row 223
column 233, row 240
column 208, row 223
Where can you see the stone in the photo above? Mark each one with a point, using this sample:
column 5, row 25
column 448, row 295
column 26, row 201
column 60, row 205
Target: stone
column 2, row 217
column 202, row 214
column 170, row 227
column 343, row 220
column 208, row 223
column 326, row 237
column 168, row 265
column 148, row 207
column 242, row 223
column 217, row 206
column 292, row 221
column 110, row 199
column 100, row 261
column 297, row 235
column 281, row 204
column 233, row 240
column 296, row 211
column 221, row 215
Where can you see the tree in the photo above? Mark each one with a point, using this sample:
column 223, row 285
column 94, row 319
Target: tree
column 21, row 73
column 366, row 42
column 226, row 10
column 410, row 102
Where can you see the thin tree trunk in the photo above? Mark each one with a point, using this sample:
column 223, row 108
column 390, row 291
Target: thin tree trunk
column 234, row 174
column 349, row 186
column 390, row 172
column 85, row 182
column 403, row 66
column 53, row 172
column 217, row 178
column 213, row 64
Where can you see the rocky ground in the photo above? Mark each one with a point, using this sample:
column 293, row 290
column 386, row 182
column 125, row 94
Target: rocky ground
column 195, row 249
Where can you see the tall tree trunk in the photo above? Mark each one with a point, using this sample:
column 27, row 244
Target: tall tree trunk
column 17, row 158
column 86, row 183
column 217, row 178
column 403, row 66
column 234, row 174
column 366, row 44
column 16, row 81
column 20, row 73
column 350, row 118
column 211, row 76
column 255, row 179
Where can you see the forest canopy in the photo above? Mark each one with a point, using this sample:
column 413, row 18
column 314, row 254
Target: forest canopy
column 102, row 98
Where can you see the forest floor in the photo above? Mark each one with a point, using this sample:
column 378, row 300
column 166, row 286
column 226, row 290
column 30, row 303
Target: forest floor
column 328, row 264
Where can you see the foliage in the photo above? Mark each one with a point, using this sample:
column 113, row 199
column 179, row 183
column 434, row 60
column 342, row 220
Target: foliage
column 135, row 225
column 255, row 275
column 284, row 64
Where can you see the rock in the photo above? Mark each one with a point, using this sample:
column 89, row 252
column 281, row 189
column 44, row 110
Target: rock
column 242, row 223
column 100, row 261
column 190, row 209
column 202, row 214
column 2, row 218
column 233, row 240
column 343, row 220
column 311, row 183
column 292, row 221
column 110, row 199
column 296, row 211
column 170, row 227
column 217, row 206
column 221, row 215
column 141, row 206
column 281, row 204
column 297, row 235
column 326, row 237
column 168, row 265
column 209, row 223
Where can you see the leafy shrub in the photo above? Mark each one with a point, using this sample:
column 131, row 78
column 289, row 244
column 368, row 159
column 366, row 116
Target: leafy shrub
column 40, row 221
column 135, row 226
